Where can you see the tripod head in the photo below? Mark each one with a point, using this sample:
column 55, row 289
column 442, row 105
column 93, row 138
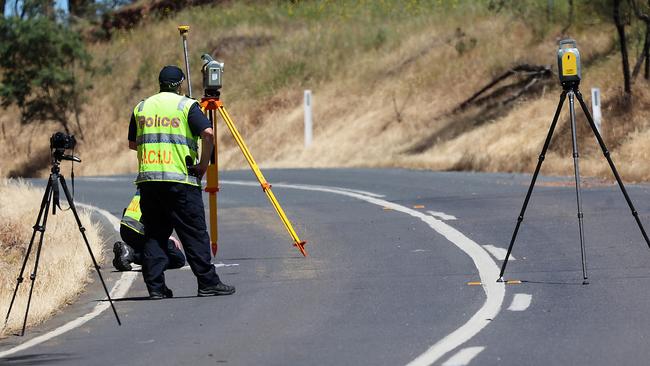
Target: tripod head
column 570, row 85
column 59, row 154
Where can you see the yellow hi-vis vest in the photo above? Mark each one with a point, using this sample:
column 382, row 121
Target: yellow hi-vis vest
column 132, row 215
column 164, row 139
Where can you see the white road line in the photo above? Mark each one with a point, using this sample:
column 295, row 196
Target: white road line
column 498, row 253
column 306, row 187
column 520, row 302
column 120, row 289
column 441, row 215
column 487, row 268
column 216, row 265
column 463, row 357
column 106, row 179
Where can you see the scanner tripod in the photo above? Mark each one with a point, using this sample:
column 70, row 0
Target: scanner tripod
column 210, row 104
column 570, row 89
column 52, row 194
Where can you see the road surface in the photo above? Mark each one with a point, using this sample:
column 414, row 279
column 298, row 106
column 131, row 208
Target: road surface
column 391, row 253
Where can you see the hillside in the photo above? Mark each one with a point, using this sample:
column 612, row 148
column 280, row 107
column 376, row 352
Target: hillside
column 387, row 79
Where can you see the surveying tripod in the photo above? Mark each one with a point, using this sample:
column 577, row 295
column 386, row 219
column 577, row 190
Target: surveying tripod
column 570, row 89
column 210, row 105
column 52, row 194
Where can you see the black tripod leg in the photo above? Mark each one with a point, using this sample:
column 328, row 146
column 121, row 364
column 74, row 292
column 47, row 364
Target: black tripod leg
column 576, row 172
column 37, row 228
column 92, row 256
column 38, row 252
column 612, row 166
column 542, row 155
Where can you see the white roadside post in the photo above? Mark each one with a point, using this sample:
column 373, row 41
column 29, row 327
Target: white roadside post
column 308, row 119
column 595, row 107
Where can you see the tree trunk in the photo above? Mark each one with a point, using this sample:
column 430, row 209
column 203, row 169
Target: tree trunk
column 646, row 55
column 620, row 28
column 2, row 7
column 642, row 56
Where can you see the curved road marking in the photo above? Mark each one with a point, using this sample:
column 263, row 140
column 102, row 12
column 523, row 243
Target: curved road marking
column 487, row 268
column 463, row 357
column 120, row 289
column 520, row 302
column 498, row 253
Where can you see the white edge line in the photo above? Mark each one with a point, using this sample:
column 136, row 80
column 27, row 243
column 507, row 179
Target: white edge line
column 498, row 253
column 120, row 289
column 306, row 187
column 488, row 271
column 520, row 302
column 487, row 268
column 442, row 215
column 464, row 356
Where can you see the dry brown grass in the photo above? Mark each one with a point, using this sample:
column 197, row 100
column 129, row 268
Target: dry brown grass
column 382, row 84
column 64, row 265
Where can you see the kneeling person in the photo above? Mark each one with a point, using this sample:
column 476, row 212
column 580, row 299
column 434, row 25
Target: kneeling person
column 132, row 233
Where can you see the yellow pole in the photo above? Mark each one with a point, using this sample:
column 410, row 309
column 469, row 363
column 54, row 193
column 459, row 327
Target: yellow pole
column 183, row 30
column 260, row 177
column 212, row 187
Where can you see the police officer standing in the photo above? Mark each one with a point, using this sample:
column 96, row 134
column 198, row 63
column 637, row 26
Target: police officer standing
column 164, row 130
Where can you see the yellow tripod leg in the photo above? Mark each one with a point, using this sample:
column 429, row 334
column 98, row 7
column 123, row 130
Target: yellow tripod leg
column 260, row 177
column 212, row 188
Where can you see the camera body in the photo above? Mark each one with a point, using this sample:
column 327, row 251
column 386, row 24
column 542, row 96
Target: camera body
column 59, row 143
column 62, row 141
column 568, row 61
column 212, row 71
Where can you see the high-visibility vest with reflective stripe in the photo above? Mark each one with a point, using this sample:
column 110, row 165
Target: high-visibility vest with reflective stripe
column 164, row 139
column 132, row 215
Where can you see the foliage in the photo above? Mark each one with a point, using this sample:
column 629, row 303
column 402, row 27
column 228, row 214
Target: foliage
column 41, row 61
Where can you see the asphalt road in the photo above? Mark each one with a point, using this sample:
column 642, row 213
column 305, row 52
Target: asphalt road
column 386, row 279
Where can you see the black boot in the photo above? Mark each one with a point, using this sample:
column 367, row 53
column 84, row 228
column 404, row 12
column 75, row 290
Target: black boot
column 123, row 256
column 165, row 294
column 216, row 290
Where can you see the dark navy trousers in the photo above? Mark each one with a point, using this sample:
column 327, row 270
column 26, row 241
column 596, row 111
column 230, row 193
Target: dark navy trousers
column 166, row 207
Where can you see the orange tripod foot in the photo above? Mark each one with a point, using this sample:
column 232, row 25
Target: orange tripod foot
column 301, row 247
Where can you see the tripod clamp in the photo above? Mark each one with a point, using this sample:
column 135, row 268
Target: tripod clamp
column 571, row 86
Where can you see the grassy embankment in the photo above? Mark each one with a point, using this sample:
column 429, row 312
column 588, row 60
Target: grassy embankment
column 64, row 266
column 385, row 76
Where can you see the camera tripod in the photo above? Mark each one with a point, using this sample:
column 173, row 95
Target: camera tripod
column 570, row 89
column 52, row 194
column 211, row 103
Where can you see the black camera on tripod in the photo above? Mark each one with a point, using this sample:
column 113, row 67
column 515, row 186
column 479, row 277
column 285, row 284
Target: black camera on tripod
column 59, row 143
column 62, row 141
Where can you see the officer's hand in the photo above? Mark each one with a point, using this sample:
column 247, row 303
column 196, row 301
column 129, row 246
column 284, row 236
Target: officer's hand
column 177, row 242
column 197, row 170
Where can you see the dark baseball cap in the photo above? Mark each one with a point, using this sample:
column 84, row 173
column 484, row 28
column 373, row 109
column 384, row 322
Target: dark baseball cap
column 171, row 76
